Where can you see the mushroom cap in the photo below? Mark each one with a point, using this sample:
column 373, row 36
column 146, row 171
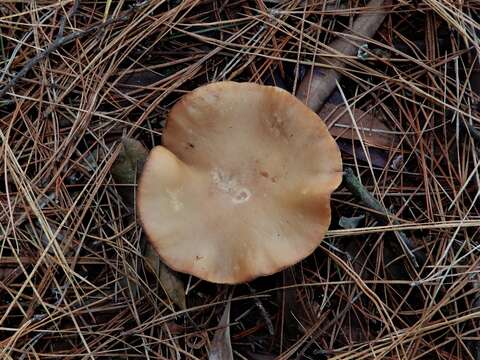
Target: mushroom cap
column 241, row 186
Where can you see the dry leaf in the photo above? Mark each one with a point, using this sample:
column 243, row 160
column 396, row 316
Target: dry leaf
column 378, row 157
column 127, row 167
column 253, row 356
column 126, row 170
column 151, row 257
column 373, row 131
column 138, row 79
column 350, row 222
column 5, row 272
column 221, row 345
column 172, row 285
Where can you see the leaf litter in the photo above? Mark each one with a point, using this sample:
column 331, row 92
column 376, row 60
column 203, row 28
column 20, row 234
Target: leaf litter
column 78, row 77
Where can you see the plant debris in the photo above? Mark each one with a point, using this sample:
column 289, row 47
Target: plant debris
column 221, row 348
column 400, row 78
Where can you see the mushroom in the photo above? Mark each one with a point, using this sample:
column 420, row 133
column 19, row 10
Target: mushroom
column 241, row 186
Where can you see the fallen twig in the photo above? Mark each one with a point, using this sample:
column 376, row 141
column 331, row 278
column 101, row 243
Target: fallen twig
column 64, row 19
column 352, row 183
column 318, row 84
column 58, row 43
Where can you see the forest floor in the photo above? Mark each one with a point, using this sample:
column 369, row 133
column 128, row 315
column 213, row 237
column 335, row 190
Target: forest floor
column 85, row 88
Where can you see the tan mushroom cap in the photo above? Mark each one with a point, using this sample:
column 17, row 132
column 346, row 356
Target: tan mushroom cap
column 241, row 187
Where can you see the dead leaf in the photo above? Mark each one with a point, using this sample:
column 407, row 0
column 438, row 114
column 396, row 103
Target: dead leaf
column 221, row 345
column 287, row 296
column 127, row 167
column 174, row 328
column 397, row 163
column 172, row 285
column 8, row 275
column 126, row 170
column 253, row 356
column 350, row 222
column 378, row 157
column 138, row 79
column 5, row 272
column 152, row 258
column 373, row 131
